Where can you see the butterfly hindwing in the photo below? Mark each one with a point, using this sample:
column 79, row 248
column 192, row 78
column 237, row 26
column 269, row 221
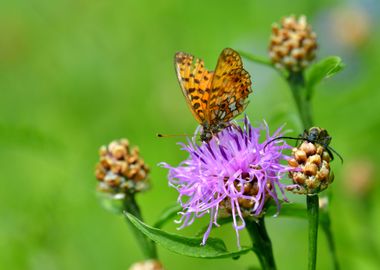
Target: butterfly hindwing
column 230, row 88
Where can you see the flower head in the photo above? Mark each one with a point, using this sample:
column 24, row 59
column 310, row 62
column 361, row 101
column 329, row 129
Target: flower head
column 292, row 44
column 311, row 163
column 121, row 170
column 233, row 173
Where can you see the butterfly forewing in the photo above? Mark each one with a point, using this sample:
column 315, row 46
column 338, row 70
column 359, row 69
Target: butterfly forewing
column 195, row 81
column 230, row 88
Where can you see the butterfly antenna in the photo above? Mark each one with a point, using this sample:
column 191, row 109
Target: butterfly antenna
column 335, row 152
column 159, row 135
column 281, row 137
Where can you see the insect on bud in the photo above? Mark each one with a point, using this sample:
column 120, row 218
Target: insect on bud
column 311, row 163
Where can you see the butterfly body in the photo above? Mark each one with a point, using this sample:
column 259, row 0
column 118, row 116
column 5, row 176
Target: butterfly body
column 209, row 130
column 214, row 97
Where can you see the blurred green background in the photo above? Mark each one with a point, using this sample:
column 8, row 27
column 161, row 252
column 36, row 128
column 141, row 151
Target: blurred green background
column 76, row 74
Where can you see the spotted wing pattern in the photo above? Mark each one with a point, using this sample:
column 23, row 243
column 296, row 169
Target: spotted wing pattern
column 230, row 88
column 216, row 97
column 195, row 81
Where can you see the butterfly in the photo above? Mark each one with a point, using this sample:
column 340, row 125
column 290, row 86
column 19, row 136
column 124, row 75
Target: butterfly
column 214, row 97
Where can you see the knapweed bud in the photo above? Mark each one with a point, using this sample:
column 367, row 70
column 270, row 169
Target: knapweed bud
column 311, row 163
column 120, row 170
column 147, row 265
column 292, row 44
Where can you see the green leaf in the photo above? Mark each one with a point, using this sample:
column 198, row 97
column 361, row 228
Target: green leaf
column 188, row 246
column 221, row 221
column 167, row 215
column 288, row 210
column 323, row 69
column 256, row 58
column 295, row 210
column 111, row 204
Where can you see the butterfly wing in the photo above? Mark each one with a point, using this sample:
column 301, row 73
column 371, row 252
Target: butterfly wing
column 195, row 81
column 230, row 87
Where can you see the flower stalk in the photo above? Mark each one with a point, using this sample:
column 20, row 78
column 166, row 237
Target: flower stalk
column 296, row 82
column 261, row 243
column 121, row 174
column 302, row 98
column 148, row 248
column 313, row 216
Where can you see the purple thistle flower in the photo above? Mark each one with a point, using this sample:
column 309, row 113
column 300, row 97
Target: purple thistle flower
column 232, row 173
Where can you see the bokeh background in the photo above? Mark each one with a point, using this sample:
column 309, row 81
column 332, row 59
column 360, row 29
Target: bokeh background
column 76, row 74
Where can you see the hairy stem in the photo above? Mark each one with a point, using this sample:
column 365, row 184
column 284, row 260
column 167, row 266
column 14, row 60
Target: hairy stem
column 148, row 248
column 261, row 243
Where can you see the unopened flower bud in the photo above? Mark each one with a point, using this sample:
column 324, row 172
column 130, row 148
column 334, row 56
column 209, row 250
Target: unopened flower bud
column 311, row 163
column 120, row 169
column 292, row 44
column 147, row 265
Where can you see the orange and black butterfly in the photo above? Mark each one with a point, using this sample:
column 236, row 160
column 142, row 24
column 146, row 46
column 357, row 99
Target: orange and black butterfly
column 214, row 97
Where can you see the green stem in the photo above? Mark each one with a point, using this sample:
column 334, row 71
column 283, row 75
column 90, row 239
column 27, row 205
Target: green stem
column 261, row 243
column 302, row 98
column 147, row 246
column 313, row 216
column 297, row 85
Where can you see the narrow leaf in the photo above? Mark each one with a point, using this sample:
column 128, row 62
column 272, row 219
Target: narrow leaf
column 110, row 204
column 295, row 210
column 323, row 69
column 288, row 210
column 188, row 246
column 167, row 215
column 221, row 222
